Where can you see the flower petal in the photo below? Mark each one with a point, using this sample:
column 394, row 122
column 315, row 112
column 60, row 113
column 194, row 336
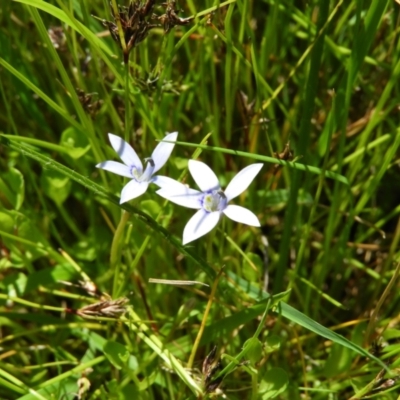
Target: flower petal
column 201, row 223
column 125, row 152
column 116, row 168
column 180, row 194
column 164, row 181
column 242, row 180
column 242, row 215
column 163, row 150
column 203, row 175
column 132, row 190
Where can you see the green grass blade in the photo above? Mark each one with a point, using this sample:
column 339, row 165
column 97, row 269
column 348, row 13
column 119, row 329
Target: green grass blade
column 303, row 144
column 42, row 95
column 271, row 160
column 62, row 16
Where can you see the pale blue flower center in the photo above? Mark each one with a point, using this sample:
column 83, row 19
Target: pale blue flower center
column 214, row 201
column 136, row 173
column 145, row 176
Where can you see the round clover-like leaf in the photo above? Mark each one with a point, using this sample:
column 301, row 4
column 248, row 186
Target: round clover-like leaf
column 274, row 382
column 75, row 142
column 253, row 349
column 12, row 186
column 55, row 185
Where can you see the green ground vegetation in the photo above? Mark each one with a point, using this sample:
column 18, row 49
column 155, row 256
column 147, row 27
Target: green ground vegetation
column 102, row 301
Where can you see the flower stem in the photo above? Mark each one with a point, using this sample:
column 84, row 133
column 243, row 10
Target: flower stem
column 118, row 23
column 30, row 304
column 115, row 262
column 127, row 103
column 203, row 322
column 254, row 385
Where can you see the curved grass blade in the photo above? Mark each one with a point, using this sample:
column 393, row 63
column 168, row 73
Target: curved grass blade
column 62, row 16
column 15, row 381
column 42, row 95
column 50, row 387
column 41, row 143
column 272, row 160
column 221, row 328
column 97, row 44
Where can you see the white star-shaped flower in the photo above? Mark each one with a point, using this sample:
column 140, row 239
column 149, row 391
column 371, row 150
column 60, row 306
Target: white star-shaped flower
column 211, row 201
column 133, row 168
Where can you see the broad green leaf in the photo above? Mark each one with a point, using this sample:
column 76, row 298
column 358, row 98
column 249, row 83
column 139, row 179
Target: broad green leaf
column 119, row 355
column 303, row 320
column 94, row 340
column 113, row 390
column 85, row 250
column 274, row 382
column 21, row 236
column 12, row 185
column 391, row 333
column 6, row 221
column 150, row 207
column 272, row 343
column 5, row 263
column 27, row 229
column 110, row 349
column 253, row 349
column 49, row 277
column 55, row 185
column 116, row 353
column 16, row 284
column 131, row 391
column 146, row 383
column 76, row 143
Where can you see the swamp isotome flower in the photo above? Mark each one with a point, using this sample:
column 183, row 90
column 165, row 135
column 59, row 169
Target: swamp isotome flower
column 212, row 201
column 133, row 168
